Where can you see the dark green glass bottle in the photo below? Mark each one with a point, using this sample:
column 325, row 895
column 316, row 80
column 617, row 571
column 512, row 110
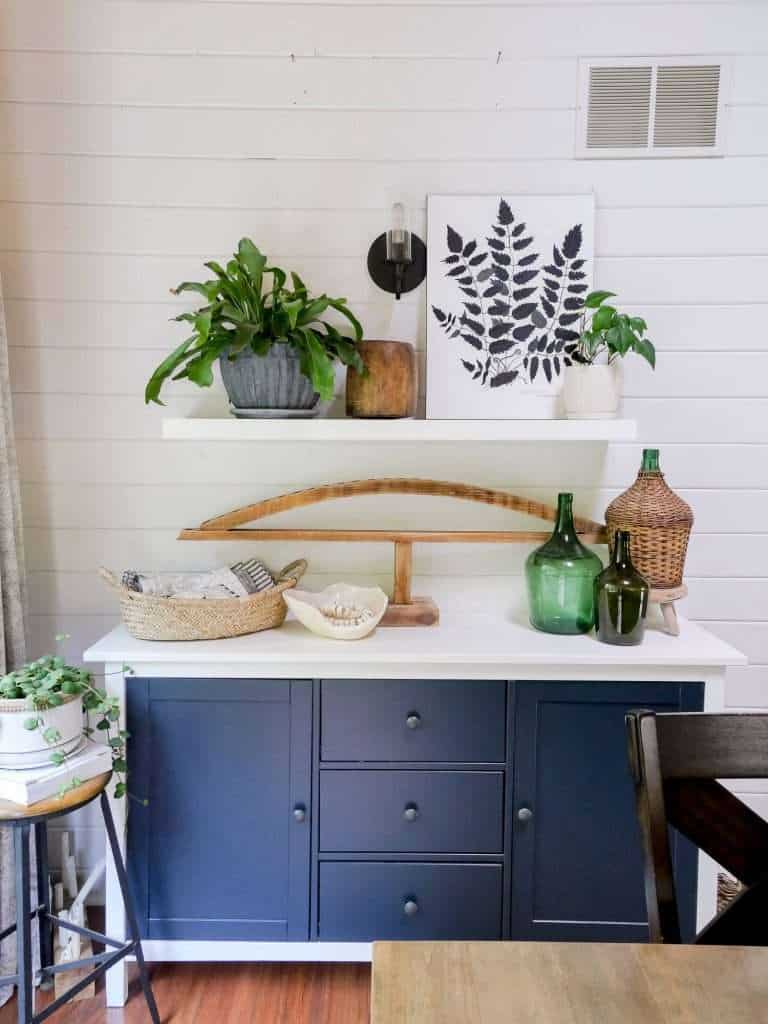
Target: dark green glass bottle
column 561, row 576
column 621, row 597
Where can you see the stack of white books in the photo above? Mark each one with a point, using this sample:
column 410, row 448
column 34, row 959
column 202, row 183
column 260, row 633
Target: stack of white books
column 28, row 785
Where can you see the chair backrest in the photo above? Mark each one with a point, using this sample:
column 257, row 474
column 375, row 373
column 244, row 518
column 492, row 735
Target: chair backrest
column 675, row 761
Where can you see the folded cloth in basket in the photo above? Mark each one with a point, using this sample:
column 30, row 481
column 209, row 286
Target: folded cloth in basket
column 239, row 580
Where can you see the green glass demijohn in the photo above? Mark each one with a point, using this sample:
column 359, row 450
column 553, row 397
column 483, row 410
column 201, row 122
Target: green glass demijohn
column 561, row 576
column 621, row 597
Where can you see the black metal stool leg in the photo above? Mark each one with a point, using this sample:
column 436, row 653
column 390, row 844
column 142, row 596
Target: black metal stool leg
column 26, row 992
column 130, row 912
column 43, row 899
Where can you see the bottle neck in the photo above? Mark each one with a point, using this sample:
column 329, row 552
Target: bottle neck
column 650, row 463
column 621, row 554
column 564, row 523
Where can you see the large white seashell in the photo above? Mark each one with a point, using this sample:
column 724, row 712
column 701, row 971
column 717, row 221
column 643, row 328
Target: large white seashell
column 341, row 611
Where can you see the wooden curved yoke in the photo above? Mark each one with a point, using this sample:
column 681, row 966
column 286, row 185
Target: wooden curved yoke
column 404, row 610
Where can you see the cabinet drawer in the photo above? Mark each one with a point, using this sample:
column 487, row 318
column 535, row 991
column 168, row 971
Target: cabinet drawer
column 411, row 811
column 365, row 902
column 413, row 720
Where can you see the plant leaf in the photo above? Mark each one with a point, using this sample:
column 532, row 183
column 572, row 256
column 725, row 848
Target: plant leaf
column 504, row 345
column 506, row 377
column 595, row 299
column 340, row 305
column 473, row 325
column 253, row 260
column 603, row 318
column 505, row 213
column 500, row 329
column 165, row 369
column 454, row 240
column 647, row 350
column 572, row 242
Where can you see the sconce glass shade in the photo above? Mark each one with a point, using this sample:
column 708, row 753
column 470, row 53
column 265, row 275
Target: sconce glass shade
column 399, row 237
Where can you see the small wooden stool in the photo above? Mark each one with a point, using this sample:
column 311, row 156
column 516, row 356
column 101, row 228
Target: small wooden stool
column 665, row 598
column 22, row 820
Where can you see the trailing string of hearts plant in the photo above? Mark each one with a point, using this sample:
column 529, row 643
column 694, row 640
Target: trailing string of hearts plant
column 519, row 318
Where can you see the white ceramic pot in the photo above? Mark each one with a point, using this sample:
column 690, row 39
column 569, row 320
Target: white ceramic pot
column 25, row 748
column 592, row 392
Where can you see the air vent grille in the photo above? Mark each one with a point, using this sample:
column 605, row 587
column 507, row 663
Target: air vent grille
column 686, row 105
column 619, row 107
column 648, row 106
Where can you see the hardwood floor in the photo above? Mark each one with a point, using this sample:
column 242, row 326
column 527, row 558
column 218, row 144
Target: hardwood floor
column 233, row 994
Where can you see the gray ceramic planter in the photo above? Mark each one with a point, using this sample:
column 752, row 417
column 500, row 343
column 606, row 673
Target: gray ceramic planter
column 273, row 381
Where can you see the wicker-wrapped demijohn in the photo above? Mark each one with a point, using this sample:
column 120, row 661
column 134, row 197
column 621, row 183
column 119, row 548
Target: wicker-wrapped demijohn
column 659, row 521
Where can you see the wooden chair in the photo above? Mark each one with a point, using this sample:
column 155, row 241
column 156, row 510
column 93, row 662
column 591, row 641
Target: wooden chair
column 675, row 761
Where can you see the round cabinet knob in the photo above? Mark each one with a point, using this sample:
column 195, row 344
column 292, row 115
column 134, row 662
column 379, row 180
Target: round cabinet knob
column 524, row 814
column 411, row 812
column 413, row 721
column 410, row 907
column 299, row 812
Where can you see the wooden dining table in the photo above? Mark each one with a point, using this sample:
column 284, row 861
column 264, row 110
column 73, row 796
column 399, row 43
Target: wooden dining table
column 567, row 983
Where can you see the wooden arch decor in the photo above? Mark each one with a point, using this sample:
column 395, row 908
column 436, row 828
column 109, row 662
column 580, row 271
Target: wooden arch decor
column 404, row 610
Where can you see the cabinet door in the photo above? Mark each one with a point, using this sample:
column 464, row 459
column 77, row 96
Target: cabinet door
column 217, row 852
column 577, row 858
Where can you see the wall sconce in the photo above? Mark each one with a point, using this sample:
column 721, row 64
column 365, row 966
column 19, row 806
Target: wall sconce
column 397, row 260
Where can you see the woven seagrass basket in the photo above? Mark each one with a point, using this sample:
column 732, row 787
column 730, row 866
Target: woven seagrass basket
column 148, row 617
column 659, row 523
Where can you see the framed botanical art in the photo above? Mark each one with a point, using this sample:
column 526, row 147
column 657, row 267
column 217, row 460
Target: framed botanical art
column 506, row 277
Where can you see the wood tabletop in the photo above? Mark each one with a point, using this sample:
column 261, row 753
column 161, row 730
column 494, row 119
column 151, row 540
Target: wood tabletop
column 567, row 983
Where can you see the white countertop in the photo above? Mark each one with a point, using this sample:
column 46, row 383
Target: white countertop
column 464, row 645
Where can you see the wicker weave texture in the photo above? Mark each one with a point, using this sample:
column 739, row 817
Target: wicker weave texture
column 148, row 617
column 659, row 522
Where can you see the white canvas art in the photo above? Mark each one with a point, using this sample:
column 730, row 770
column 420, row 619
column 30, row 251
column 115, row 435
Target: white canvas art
column 506, row 277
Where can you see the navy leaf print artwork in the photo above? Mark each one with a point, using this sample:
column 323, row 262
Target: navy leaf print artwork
column 514, row 306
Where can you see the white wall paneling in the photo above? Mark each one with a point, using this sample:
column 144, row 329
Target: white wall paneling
column 139, row 137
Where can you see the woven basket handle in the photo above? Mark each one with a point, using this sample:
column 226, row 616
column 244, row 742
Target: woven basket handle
column 111, row 579
column 292, row 571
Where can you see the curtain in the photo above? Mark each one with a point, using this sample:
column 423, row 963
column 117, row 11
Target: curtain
column 12, row 607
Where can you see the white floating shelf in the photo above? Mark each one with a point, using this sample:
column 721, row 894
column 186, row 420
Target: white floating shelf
column 393, row 431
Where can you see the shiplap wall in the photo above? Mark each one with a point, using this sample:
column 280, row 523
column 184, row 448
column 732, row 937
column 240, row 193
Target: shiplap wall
column 139, row 137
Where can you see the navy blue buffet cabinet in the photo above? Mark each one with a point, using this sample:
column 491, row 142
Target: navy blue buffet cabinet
column 355, row 810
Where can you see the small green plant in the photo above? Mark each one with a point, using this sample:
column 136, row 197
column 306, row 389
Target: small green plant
column 611, row 333
column 45, row 683
column 241, row 313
